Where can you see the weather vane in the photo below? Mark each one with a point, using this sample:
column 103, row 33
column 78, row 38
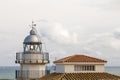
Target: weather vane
column 33, row 24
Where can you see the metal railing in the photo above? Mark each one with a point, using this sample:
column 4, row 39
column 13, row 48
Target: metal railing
column 32, row 58
column 31, row 74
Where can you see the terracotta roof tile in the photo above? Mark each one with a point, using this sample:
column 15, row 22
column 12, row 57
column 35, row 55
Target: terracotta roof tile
column 79, row 58
column 80, row 76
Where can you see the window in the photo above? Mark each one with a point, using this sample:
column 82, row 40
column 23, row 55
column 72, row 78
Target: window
column 84, row 67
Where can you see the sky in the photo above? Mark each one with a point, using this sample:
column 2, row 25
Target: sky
column 66, row 27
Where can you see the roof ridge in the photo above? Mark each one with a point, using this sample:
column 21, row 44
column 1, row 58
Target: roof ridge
column 70, row 57
column 64, row 59
column 94, row 57
column 80, row 58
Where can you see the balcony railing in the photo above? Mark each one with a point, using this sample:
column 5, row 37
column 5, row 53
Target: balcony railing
column 30, row 74
column 32, row 58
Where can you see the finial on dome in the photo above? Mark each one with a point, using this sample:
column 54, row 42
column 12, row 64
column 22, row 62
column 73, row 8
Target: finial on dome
column 33, row 30
column 33, row 24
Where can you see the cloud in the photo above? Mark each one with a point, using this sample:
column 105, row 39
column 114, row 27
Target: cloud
column 63, row 41
column 57, row 33
column 105, row 45
column 102, row 4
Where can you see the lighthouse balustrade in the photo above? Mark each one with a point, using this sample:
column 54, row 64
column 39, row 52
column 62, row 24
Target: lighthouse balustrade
column 31, row 74
column 18, row 56
column 32, row 57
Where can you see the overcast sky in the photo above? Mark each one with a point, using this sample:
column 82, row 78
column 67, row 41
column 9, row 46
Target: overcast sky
column 66, row 27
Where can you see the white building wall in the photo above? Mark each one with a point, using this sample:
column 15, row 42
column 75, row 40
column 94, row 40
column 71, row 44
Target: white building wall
column 99, row 68
column 69, row 67
column 60, row 68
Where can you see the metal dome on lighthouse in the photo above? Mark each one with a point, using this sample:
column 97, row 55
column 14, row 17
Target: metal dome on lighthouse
column 32, row 38
column 32, row 42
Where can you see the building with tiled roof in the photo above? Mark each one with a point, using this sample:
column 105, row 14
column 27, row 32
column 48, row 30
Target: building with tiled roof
column 79, row 63
column 80, row 67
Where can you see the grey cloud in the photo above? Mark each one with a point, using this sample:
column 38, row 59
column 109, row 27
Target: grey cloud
column 100, row 45
column 66, row 27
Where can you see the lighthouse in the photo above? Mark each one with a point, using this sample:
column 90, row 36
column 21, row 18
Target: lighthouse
column 32, row 60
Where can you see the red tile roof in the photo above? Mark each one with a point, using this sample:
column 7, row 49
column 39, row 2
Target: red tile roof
column 79, row 58
column 80, row 76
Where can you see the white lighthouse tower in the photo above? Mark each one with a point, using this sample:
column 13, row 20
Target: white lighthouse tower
column 32, row 60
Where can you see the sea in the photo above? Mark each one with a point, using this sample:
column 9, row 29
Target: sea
column 9, row 72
